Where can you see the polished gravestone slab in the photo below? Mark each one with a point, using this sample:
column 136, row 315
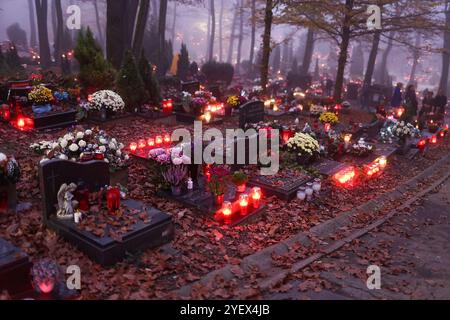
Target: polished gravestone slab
column 156, row 230
column 251, row 112
column 328, row 167
column 202, row 200
column 285, row 187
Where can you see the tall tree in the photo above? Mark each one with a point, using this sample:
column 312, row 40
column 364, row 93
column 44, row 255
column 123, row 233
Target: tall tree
column 174, row 21
column 382, row 74
column 372, row 60
column 99, row 25
column 241, row 34
column 162, row 36
column 44, row 46
column 232, row 35
column 33, row 37
column 416, row 57
column 139, row 31
column 221, row 31
column 121, row 17
column 253, row 35
column 309, row 51
column 266, row 46
column 443, row 85
column 59, row 36
column 212, row 36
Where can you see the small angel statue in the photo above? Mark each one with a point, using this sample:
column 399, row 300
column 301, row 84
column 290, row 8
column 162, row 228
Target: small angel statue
column 66, row 204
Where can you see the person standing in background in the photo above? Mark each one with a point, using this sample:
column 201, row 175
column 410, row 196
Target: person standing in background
column 440, row 102
column 397, row 97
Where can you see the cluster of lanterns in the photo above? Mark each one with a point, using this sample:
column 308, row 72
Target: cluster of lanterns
column 245, row 203
column 215, row 109
column 346, row 178
column 151, row 143
column 375, row 168
column 306, row 193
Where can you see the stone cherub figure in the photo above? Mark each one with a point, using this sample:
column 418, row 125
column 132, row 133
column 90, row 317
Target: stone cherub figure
column 66, row 204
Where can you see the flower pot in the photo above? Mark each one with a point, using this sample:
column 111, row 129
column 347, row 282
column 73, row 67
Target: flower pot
column 103, row 114
column 405, row 146
column 219, row 199
column 241, row 188
column 228, row 111
column 176, row 190
column 40, row 109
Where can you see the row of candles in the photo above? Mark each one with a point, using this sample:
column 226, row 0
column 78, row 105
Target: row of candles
column 306, row 193
column 157, row 142
column 253, row 198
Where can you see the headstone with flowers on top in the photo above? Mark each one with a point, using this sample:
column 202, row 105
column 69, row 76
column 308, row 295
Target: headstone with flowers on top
column 104, row 236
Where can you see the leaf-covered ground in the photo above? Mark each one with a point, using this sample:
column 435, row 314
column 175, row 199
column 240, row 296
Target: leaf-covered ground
column 200, row 244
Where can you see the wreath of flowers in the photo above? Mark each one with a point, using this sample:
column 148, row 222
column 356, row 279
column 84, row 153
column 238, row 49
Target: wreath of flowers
column 329, row 117
column 303, row 144
column 107, row 99
column 78, row 145
column 40, row 95
column 9, row 169
column 404, row 130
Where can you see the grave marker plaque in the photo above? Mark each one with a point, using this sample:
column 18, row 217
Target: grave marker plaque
column 102, row 249
column 251, row 112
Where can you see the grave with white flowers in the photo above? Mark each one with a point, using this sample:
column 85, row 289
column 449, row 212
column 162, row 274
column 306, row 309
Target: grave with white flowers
column 80, row 204
column 87, row 145
column 105, row 105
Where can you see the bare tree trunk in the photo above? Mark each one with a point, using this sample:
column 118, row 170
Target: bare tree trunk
column 115, row 31
column 208, row 35
column 309, row 50
column 268, row 19
column 155, row 10
column 221, row 32
column 232, row 36
column 162, row 35
column 174, row 21
column 213, row 31
column 443, row 85
column 99, row 26
column 241, row 34
column 141, row 23
column 59, row 37
column 53, row 19
column 33, row 37
column 382, row 72
column 253, row 36
column 416, row 56
column 372, row 60
column 44, row 46
column 343, row 53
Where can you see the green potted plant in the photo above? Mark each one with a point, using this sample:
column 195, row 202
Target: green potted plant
column 217, row 183
column 240, row 180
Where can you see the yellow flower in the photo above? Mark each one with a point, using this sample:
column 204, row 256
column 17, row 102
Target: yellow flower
column 40, row 95
column 329, row 117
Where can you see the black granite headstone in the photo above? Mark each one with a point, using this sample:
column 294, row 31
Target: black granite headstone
column 329, row 167
column 103, row 249
column 14, row 269
column 251, row 112
column 190, row 87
